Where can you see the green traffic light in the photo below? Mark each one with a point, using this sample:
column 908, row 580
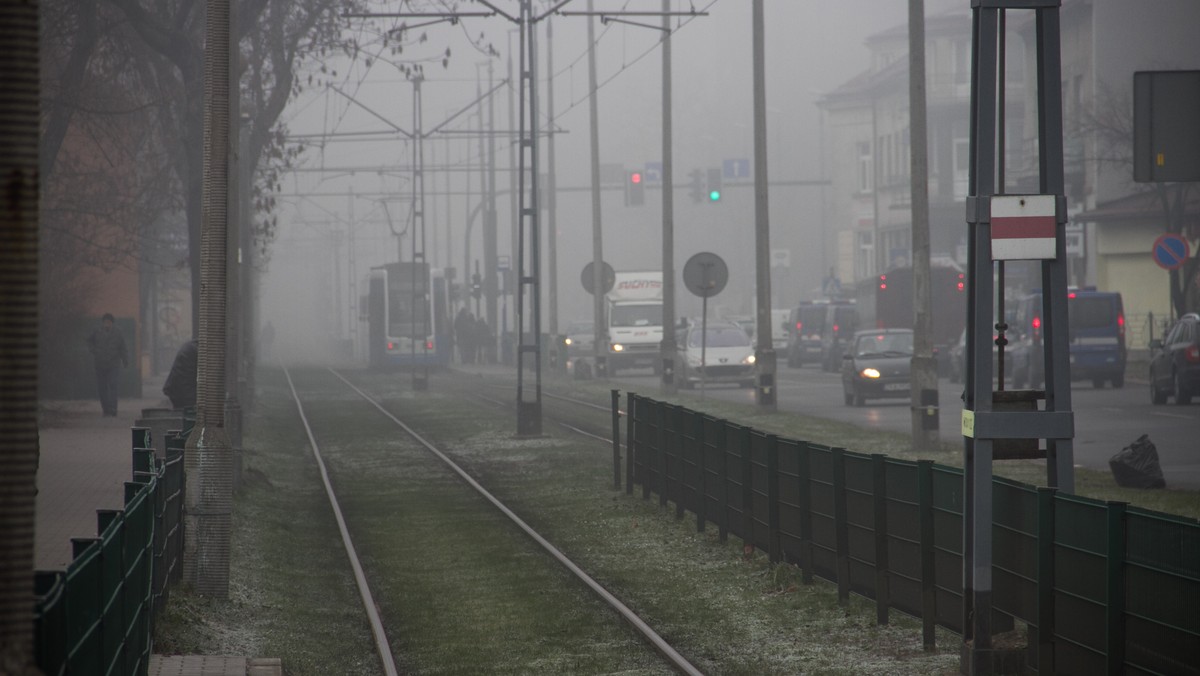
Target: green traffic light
column 714, row 196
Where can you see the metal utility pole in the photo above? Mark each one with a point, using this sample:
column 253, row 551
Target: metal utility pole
column 668, row 346
column 600, row 345
column 514, row 217
column 557, row 358
column 420, row 282
column 529, row 407
column 764, row 357
column 208, row 458
column 491, row 287
column 924, row 390
column 999, row 425
column 233, row 253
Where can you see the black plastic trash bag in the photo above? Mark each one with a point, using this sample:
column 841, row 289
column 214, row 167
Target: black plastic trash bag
column 1136, row 465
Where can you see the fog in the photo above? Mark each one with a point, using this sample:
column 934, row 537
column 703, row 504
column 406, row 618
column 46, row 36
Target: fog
column 338, row 211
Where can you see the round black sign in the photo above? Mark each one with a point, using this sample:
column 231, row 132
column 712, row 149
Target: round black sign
column 705, row 274
column 607, row 273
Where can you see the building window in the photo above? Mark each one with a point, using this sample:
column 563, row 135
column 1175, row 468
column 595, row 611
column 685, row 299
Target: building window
column 864, row 167
column 962, row 167
column 962, row 62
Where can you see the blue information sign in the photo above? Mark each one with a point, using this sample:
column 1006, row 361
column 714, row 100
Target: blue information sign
column 735, row 169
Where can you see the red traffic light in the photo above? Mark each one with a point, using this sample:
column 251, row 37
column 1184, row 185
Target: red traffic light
column 635, row 177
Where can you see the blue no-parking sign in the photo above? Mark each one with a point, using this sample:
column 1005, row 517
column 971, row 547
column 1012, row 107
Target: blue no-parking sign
column 1170, row 251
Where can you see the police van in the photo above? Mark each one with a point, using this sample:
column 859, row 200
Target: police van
column 1095, row 336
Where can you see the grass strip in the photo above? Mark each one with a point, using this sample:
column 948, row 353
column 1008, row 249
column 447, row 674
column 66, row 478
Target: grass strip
column 728, row 613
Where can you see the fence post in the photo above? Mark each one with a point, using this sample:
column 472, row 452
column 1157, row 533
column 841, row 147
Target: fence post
column 701, row 466
column 656, row 413
column 681, row 451
column 840, row 526
column 1115, row 582
column 616, row 438
column 928, row 574
column 630, row 399
column 723, row 473
column 883, row 597
column 774, row 547
column 1045, row 580
column 662, row 454
column 803, row 472
column 747, row 493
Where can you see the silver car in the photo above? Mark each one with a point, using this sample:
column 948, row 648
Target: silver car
column 728, row 355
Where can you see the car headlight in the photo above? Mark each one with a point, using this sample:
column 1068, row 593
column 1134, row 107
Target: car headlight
column 567, row 341
column 617, row 347
column 869, row 373
column 748, row 360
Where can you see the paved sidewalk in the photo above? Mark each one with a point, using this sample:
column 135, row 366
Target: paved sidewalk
column 85, row 461
column 84, row 464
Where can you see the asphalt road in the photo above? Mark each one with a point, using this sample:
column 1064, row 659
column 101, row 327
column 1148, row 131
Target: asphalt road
column 1105, row 420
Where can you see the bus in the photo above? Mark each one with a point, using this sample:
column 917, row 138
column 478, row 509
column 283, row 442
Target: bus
column 407, row 311
column 886, row 302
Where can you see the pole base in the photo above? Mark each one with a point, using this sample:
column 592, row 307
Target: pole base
column 529, row 419
column 1004, row 657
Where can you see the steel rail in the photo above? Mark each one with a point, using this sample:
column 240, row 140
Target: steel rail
column 559, row 397
column 364, row 590
column 576, row 430
column 660, row 645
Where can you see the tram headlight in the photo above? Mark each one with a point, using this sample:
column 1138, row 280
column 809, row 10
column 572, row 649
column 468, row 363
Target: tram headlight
column 617, row 347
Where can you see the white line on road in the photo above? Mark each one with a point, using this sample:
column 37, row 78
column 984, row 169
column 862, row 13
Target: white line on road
column 1173, row 415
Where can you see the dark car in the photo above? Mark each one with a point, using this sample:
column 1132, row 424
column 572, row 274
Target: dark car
column 956, row 361
column 877, row 365
column 841, row 321
column 806, row 325
column 1175, row 362
column 1095, row 338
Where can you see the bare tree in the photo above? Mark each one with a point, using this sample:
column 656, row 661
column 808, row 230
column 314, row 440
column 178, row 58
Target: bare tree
column 107, row 184
column 276, row 39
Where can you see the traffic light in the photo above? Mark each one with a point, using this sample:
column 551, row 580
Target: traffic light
column 696, row 188
column 476, row 286
column 635, row 189
column 714, row 185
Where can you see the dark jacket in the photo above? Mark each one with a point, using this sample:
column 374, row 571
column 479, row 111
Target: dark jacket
column 180, row 387
column 108, row 348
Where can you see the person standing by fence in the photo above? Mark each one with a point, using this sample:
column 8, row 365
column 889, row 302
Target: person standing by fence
column 107, row 346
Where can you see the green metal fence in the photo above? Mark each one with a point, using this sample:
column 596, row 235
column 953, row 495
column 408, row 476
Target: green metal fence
column 96, row 617
column 1102, row 587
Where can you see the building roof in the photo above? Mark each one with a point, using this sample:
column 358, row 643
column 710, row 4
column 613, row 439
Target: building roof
column 1141, row 207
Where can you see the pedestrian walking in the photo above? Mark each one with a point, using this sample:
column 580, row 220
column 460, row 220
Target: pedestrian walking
column 107, row 346
column 483, row 340
column 464, row 330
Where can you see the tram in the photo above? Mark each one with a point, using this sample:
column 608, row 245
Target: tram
column 407, row 311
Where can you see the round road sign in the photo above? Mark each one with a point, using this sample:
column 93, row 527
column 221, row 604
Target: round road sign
column 1170, row 251
column 705, row 274
column 608, row 275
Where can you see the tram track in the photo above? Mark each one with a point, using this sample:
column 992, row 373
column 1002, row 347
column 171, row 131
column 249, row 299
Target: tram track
column 667, row 652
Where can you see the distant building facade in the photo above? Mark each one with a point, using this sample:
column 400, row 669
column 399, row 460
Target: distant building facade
column 866, row 127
